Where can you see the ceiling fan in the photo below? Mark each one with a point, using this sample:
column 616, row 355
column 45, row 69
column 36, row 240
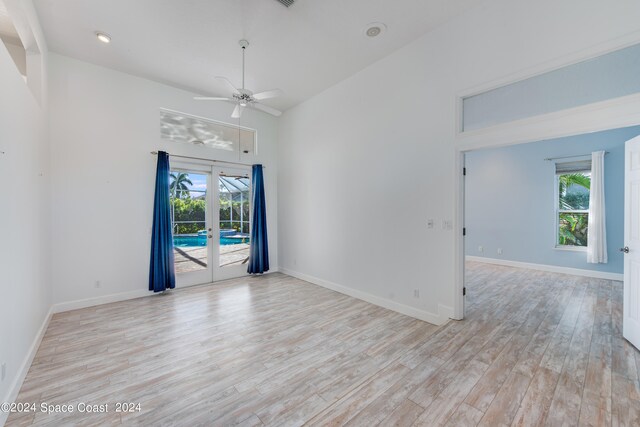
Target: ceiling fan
column 244, row 97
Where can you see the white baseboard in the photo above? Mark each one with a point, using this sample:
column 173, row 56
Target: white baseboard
column 122, row 296
column 549, row 268
column 444, row 312
column 106, row 299
column 16, row 385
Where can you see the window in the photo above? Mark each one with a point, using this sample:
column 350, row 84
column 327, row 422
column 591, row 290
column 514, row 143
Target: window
column 188, row 196
column 573, row 182
column 234, row 204
column 183, row 128
column 196, row 208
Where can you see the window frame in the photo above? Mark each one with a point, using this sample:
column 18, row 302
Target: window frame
column 558, row 211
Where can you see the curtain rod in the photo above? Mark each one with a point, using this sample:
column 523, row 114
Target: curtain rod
column 570, row 157
column 155, row 153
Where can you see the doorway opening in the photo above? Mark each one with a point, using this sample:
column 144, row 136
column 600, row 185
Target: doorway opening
column 526, row 205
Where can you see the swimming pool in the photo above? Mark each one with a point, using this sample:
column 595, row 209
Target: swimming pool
column 189, row 241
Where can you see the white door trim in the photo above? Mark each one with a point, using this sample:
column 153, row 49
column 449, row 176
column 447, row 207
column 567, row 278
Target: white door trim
column 458, row 299
column 631, row 301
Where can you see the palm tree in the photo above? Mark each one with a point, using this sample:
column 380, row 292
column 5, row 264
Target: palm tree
column 567, row 180
column 179, row 183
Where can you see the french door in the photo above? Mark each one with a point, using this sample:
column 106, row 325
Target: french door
column 211, row 221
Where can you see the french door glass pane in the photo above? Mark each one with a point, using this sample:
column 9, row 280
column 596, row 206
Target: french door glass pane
column 188, row 219
column 234, row 219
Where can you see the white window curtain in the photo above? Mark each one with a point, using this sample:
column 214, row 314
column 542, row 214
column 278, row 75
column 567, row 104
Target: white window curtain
column 597, row 237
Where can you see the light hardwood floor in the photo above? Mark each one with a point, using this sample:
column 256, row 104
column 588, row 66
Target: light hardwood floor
column 536, row 348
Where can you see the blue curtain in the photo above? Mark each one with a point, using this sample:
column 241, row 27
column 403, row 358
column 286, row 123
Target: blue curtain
column 259, row 252
column 161, row 272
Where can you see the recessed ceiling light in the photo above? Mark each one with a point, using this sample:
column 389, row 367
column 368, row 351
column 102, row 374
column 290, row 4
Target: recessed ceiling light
column 374, row 29
column 103, row 37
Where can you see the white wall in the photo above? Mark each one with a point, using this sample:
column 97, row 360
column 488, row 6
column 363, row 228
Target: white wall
column 104, row 124
column 363, row 165
column 24, row 219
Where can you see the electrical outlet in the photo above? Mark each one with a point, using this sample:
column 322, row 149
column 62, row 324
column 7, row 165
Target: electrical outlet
column 480, row 249
column 430, row 223
column 3, row 371
column 416, row 293
column 499, row 251
column 98, row 284
column 447, row 224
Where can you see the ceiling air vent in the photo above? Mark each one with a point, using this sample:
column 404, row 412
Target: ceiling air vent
column 286, row 3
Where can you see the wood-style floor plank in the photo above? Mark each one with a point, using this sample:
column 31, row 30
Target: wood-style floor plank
column 535, row 348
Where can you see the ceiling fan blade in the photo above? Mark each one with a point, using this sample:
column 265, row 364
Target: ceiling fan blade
column 228, row 82
column 210, row 98
column 267, row 94
column 237, row 112
column 267, row 109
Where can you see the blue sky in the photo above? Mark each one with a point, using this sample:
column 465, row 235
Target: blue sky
column 199, row 182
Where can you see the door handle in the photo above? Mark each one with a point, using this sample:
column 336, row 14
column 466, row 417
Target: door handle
column 625, row 249
column 210, row 236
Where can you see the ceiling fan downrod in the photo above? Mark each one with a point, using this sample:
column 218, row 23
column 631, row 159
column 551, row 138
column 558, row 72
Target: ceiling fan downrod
column 243, row 44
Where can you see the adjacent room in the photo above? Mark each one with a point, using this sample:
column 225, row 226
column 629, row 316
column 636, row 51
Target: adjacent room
column 527, row 205
column 299, row 212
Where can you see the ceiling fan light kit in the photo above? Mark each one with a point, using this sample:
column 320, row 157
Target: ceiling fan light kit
column 244, row 97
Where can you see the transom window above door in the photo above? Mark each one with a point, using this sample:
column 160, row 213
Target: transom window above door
column 187, row 129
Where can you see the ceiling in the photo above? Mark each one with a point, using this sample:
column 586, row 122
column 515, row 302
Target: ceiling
column 303, row 49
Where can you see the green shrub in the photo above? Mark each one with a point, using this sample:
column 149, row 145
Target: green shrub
column 188, row 209
column 573, row 229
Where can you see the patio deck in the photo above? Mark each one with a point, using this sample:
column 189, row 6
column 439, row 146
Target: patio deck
column 193, row 258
